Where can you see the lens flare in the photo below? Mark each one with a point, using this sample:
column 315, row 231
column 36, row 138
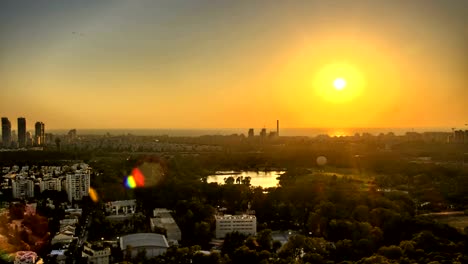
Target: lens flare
column 138, row 177
column 93, row 195
column 131, row 182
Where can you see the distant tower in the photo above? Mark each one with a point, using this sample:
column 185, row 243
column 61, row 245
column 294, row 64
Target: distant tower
column 39, row 137
column 57, row 143
column 22, row 132
column 263, row 133
column 251, row 133
column 277, row 128
column 6, row 132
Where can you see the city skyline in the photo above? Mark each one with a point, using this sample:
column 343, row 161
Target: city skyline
column 211, row 64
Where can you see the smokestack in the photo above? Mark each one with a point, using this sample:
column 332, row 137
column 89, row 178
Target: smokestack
column 277, row 128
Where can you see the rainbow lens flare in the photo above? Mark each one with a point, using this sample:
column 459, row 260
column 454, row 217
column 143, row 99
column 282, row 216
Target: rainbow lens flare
column 136, row 179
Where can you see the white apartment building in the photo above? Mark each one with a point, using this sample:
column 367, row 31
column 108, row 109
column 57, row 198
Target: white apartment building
column 77, row 185
column 96, row 256
column 51, row 184
column 244, row 224
column 22, row 188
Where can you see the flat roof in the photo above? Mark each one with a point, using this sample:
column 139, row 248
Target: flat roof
column 143, row 240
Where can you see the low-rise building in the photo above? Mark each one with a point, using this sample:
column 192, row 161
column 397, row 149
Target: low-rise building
column 244, row 224
column 25, row 257
column 163, row 220
column 153, row 244
column 96, row 255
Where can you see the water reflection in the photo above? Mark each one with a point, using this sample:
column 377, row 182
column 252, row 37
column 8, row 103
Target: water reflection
column 265, row 179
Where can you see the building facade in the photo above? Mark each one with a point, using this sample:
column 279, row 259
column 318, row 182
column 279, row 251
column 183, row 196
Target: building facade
column 77, row 185
column 244, row 224
column 39, row 137
column 22, row 188
column 6, row 132
column 21, row 132
column 25, row 257
column 163, row 219
column 153, row 244
column 54, row 184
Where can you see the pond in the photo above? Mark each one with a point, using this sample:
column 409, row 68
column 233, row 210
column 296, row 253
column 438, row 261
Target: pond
column 264, row 179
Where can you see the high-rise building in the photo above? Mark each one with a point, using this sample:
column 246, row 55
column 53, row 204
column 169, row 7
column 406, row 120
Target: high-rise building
column 6, row 132
column 21, row 132
column 251, row 133
column 51, row 184
column 39, row 137
column 77, row 185
column 29, row 139
column 263, row 133
column 22, row 188
column 72, row 135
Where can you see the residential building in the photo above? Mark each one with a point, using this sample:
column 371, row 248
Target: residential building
column 21, row 132
column 77, row 185
column 25, row 257
column 96, row 255
column 54, row 184
column 153, row 244
column 22, row 188
column 245, row 224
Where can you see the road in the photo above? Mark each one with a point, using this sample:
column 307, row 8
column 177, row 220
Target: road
column 448, row 213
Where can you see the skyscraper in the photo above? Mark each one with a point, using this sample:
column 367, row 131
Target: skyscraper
column 251, row 133
column 39, row 137
column 21, row 132
column 6, row 132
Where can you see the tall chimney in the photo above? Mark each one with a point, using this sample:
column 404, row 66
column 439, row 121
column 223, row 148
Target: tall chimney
column 277, row 128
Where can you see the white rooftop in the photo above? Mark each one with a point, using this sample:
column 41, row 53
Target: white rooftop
column 143, row 240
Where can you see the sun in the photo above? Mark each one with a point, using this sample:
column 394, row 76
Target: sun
column 339, row 84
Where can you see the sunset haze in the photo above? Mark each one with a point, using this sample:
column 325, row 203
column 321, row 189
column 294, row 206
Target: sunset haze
column 225, row 64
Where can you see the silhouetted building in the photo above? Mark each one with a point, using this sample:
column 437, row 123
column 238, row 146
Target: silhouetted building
column 460, row 136
column 72, row 135
column 40, row 134
column 29, row 139
column 263, row 133
column 251, row 133
column 21, row 132
column 6, row 132
column 277, row 127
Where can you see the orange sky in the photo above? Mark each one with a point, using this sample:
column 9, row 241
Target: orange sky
column 213, row 64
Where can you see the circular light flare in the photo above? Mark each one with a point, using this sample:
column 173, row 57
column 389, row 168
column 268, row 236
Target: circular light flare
column 339, row 83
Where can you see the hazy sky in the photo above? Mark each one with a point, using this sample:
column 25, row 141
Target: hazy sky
column 226, row 64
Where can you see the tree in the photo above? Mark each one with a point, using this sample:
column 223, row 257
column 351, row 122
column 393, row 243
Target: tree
column 391, row 252
column 264, row 239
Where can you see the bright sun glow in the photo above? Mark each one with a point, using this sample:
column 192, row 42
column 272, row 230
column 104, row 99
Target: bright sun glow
column 339, row 84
